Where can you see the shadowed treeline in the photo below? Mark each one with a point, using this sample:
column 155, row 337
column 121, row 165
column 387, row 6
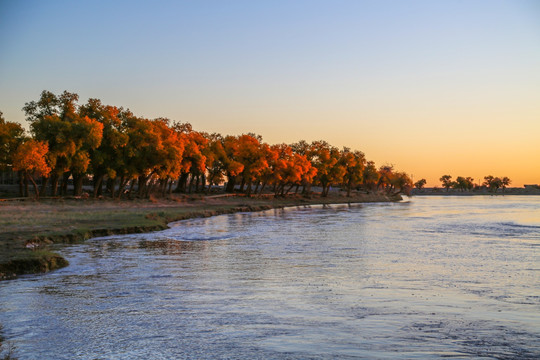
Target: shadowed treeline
column 122, row 153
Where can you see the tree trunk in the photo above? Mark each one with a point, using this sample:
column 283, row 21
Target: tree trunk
column 98, row 181
column 149, row 187
column 36, row 190
column 44, row 183
column 142, row 185
column 289, row 189
column 197, row 183
column 111, row 185
column 21, row 184
column 242, row 184
column 25, row 185
column 230, row 184
column 77, row 184
column 131, row 187
column 203, row 182
column 123, row 183
column 262, row 187
column 54, row 184
column 325, row 190
column 190, row 186
column 248, row 189
column 121, row 186
column 182, row 182
column 65, row 180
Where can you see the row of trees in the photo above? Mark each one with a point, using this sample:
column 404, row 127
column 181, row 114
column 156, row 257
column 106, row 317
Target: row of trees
column 122, row 151
column 466, row 183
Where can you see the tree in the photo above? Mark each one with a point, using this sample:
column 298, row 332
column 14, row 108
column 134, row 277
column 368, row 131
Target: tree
column 386, row 173
column 215, row 159
column 286, row 168
column 232, row 166
column 105, row 160
column 250, row 153
column 469, row 181
column 86, row 134
column 30, row 160
column 494, row 183
column 194, row 157
column 370, row 176
column 505, row 181
column 401, row 183
column 354, row 163
column 304, row 149
column 446, row 181
column 11, row 136
column 170, row 154
column 463, row 183
column 154, row 151
column 325, row 159
column 70, row 136
column 420, row 184
column 392, row 182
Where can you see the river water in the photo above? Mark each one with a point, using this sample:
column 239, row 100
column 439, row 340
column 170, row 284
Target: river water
column 429, row 277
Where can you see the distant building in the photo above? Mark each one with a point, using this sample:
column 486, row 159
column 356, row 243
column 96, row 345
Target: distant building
column 531, row 186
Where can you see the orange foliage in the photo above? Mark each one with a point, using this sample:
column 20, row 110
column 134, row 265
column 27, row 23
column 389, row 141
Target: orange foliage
column 113, row 144
column 30, row 158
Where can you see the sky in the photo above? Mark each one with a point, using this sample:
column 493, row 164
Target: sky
column 431, row 87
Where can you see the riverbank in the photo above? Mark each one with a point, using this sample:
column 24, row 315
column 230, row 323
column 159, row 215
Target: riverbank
column 482, row 191
column 29, row 228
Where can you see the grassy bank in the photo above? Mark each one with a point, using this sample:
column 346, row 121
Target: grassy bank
column 28, row 228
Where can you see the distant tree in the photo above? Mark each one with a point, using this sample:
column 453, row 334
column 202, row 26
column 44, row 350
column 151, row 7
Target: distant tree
column 30, row 160
column 326, row 159
column 304, row 149
column 354, row 163
column 370, row 176
column 469, row 183
column 386, row 173
column 488, row 180
column 505, row 181
column 393, row 182
column 463, row 184
column 420, row 184
column 493, row 183
column 217, row 161
column 401, row 183
column 446, row 181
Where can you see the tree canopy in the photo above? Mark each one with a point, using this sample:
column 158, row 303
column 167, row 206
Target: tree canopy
column 135, row 155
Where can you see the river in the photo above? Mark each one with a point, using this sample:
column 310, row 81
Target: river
column 429, row 277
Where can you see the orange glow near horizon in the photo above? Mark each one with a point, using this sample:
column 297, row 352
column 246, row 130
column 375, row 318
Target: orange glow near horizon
column 432, row 87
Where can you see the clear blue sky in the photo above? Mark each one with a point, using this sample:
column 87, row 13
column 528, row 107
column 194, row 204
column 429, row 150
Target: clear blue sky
column 420, row 84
